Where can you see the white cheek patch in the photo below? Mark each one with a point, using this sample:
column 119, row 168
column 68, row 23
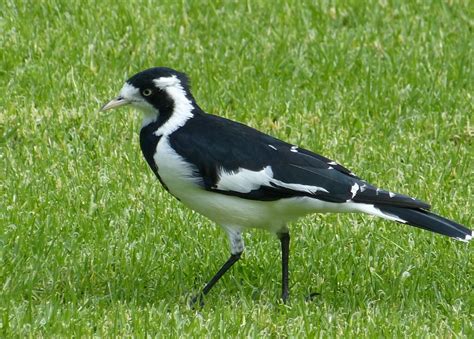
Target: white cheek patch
column 132, row 93
column 164, row 82
column 128, row 91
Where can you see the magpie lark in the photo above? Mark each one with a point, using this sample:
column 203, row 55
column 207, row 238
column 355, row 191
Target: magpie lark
column 242, row 178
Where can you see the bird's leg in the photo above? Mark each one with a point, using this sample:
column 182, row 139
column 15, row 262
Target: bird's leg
column 237, row 247
column 228, row 264
column 285, row 253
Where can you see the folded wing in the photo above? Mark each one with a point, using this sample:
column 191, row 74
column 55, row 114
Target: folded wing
column 233, row 159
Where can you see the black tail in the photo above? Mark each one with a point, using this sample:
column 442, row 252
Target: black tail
column 428, row 221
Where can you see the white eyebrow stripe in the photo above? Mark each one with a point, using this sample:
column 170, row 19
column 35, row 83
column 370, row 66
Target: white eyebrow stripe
column 164, row 82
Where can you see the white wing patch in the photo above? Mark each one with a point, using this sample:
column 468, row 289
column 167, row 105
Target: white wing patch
column 354, row 190
column 273, row 147
column 299, row 187
column 294, row 149
column 245, row 181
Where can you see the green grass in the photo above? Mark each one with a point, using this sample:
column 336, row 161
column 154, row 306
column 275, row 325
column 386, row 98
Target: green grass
column 90, row 244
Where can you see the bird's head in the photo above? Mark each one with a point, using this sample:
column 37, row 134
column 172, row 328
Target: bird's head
column 155, row 91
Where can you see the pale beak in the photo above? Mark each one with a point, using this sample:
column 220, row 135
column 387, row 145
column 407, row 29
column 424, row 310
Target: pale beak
column 114, row 103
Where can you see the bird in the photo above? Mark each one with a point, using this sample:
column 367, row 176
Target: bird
column 241, row 178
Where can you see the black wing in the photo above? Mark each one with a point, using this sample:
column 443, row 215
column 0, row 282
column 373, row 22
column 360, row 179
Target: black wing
column 214, row 144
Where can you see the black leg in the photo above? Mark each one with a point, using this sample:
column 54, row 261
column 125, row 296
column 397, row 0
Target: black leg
column 285, row 253
column 228, row 264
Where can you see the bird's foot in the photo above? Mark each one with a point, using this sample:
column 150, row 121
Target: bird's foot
column 197, row 301
column 285, row 298
column 312, row 296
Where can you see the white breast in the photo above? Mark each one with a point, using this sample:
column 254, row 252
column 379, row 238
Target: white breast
column 176, row 173
column 178, row 176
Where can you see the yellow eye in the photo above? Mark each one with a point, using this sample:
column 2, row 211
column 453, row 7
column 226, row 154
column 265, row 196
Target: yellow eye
column 147, row 92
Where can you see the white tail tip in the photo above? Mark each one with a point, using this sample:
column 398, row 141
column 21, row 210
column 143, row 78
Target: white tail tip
column 467, row 238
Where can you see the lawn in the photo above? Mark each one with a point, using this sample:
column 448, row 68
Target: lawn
column 90, row 244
